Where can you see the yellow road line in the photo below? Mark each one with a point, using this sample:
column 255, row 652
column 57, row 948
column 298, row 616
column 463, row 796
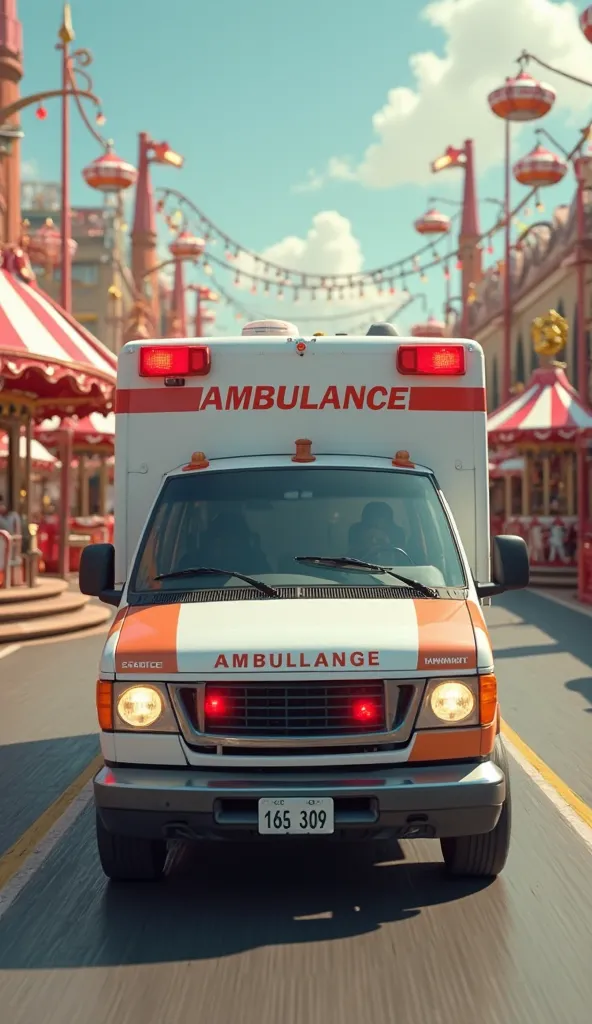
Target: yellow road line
column 16, row 855
column 561, row 788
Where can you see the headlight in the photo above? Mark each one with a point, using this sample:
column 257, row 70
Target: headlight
column 452, row 701
column 140, row 706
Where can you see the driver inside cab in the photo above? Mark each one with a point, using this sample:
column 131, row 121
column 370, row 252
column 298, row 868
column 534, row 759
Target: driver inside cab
column 376, row 538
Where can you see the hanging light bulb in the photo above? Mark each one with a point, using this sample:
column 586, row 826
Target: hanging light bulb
column 100, row 119
column 207, row 269
column 423, row 278
column 459, row 265
column 41, row 112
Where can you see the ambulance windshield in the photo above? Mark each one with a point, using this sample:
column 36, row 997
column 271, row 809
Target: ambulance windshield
column 259, row 521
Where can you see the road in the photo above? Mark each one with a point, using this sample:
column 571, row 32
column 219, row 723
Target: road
column 305, row 937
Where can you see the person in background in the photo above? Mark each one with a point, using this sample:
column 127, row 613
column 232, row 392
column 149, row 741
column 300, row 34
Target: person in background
column 4, row 515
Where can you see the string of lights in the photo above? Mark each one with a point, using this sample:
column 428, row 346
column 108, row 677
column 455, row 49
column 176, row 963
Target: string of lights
column 378, row 309
column 392, row 276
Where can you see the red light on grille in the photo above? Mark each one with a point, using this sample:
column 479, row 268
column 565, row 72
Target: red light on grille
column 432, row 360
column 215, row 705
column 174, row 361
column 364, row 710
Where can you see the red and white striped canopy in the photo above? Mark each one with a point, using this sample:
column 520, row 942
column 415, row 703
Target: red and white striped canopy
column 45, row 352
column 40, row 457
column 549, row 409
column 88, row 433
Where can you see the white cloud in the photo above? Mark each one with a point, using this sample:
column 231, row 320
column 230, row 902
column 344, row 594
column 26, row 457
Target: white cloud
column 329, row 247
column 29, row 170
column 448, row 102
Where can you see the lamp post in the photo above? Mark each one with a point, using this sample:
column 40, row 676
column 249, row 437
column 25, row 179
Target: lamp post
column 203, row 294
column 520, row 99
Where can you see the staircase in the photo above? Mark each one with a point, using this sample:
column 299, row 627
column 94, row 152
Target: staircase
column 561, row 577
column 45, row 610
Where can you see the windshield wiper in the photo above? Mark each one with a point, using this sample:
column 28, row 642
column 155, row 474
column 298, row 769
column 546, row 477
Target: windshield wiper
column 203, row 570
column 344, row 562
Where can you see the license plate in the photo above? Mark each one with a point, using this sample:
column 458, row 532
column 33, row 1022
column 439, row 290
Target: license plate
column 296, row 816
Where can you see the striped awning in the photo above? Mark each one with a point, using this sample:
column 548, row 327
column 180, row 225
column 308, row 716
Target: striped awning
column 549, row 409
column 88, row 432
column 45, row 353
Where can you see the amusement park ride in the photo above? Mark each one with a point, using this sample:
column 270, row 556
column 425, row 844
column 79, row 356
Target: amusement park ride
column 57, row 382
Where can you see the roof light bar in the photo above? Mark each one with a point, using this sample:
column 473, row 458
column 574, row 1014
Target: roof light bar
column 431, row 360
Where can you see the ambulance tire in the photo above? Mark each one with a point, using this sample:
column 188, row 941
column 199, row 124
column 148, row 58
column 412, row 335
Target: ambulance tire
column 483, row 856
column 128, row 859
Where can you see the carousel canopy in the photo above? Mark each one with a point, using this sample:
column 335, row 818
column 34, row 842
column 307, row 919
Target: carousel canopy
column 88, row 433
column 40, row 457
column 43, row 351
column 549, row 409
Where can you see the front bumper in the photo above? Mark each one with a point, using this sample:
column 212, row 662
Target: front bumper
column 400, row 802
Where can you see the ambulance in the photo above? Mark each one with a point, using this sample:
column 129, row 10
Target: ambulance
column 301, row 558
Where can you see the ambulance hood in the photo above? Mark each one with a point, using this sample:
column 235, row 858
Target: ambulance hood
column 246, row 638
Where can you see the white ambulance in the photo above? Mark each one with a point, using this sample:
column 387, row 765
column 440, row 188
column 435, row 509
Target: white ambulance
column 301, row 553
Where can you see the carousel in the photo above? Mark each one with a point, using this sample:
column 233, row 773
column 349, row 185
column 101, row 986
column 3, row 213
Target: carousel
column 90, row 512
column 535, row 439
column 50, row 366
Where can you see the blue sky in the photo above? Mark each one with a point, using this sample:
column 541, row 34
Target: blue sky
column 257, row 95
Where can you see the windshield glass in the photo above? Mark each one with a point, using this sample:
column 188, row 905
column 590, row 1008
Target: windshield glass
column 257, row 521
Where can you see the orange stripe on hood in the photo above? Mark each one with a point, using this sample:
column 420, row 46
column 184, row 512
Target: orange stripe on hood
column 446, row 639
column 118, row 621
column 148, row 640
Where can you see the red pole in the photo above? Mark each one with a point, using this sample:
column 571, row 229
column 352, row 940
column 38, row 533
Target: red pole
column 583, row 468
column 198, row 317
column 66, row 261
column 582, row 348
column 507, row 347
column 64, row 520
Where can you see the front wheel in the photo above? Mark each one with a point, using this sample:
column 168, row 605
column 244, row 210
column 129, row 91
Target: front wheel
column 483, row 856
column 128, row 859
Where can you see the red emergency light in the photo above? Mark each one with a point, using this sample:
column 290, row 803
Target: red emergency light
column 431, row 360
column 175, row 361
column 215, row 706
column 365, row 711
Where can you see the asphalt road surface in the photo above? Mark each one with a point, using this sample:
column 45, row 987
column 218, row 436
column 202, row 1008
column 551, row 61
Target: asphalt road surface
column 302, row 935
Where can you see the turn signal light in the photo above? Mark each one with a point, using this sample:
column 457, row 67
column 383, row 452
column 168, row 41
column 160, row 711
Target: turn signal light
column 105, row 705
column 431, row 360
column 487, row 699
column 175, row 361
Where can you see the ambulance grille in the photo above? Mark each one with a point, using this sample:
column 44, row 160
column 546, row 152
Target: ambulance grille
column 314, row 709
column 221, row 594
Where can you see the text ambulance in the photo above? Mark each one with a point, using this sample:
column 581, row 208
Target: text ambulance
column 301, row 553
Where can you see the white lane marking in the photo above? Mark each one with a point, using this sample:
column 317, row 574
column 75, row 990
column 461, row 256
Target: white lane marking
column 566, row 812
column 39, row 855
column 9, row 649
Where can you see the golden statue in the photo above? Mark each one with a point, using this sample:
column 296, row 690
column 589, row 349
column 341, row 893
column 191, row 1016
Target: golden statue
column 549, row 336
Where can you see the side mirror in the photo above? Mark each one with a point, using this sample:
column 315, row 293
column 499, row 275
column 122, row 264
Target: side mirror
column 96, row 576
column 511, row 567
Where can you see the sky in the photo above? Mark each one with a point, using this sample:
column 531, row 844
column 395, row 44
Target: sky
column 308, row 129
